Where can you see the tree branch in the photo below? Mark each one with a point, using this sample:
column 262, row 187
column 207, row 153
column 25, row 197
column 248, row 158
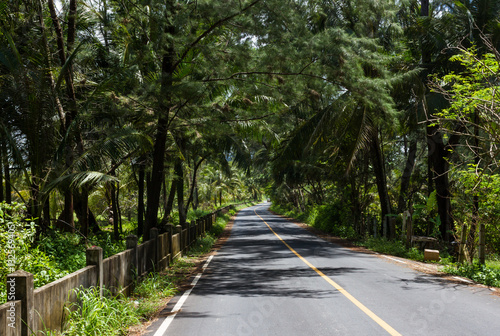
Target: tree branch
column 210, row 30
column 233, row 76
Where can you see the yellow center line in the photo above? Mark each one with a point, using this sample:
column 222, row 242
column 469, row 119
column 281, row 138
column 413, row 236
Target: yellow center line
column 351, row 298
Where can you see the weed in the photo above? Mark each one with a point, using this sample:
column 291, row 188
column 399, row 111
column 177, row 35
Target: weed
column 150, row 292
column 95, row 315
column 202, row 245
column 476, row 272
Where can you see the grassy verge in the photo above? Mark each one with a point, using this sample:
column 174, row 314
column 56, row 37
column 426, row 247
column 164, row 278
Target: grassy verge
column 392, row 247
column 482, row 274
column 330, row 219
column 115, row 315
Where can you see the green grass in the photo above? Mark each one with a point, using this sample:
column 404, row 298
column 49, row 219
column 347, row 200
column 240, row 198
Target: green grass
column 95, row 315
column 202, row 245
column 150, row 292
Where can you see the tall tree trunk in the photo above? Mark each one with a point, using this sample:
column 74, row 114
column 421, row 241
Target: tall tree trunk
column 437, row 155
column 430, row 149
column 71, row 25
column 195, row 196
column 118, row 207
column 46, row 212
column 179, row 175
column 65, row 221
column 440, row 165
column 405, row 179
column 84, row 214
column 169, row 205
column 33, row 208
column 155, row 182
column 431, row 129
column 475, row 200
column 193, row 184
column 114, row 208
column 378, row 167
column 1, row 173
column 154, row 185
column 6, row 169
column 67, row 214
column 48, row 56
column 355, row 205
column 84, row 219
column 140, row 201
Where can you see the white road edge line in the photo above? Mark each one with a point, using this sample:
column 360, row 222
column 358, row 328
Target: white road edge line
column 166, row 323
column 400, row 261
column 463, row 279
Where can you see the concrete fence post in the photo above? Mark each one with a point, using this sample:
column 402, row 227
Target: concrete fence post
column 178, row 230
column 94, row 258
column 131, row 244
column 20, row 286
column 192, row 236
column 131, row 241
column 170, row 228
column 154, row 236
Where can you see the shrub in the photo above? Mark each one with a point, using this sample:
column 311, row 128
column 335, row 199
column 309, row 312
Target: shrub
column 476, row 272
column 17, row 236
column 65, row 248
column 392, row 247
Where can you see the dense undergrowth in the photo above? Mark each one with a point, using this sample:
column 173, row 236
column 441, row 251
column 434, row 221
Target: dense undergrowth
column 483, row 274
column 114, row 315
column 327, row 218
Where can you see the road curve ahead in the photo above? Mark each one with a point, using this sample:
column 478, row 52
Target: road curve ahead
column 275, row 278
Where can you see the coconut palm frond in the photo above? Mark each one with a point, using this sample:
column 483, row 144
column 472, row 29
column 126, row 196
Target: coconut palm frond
column 17, row 156
column 74, row 181
column 361, row 129
column 115, row 147
column 67, row 65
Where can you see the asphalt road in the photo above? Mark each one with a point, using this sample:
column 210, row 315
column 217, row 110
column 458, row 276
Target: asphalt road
column 275, row 278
